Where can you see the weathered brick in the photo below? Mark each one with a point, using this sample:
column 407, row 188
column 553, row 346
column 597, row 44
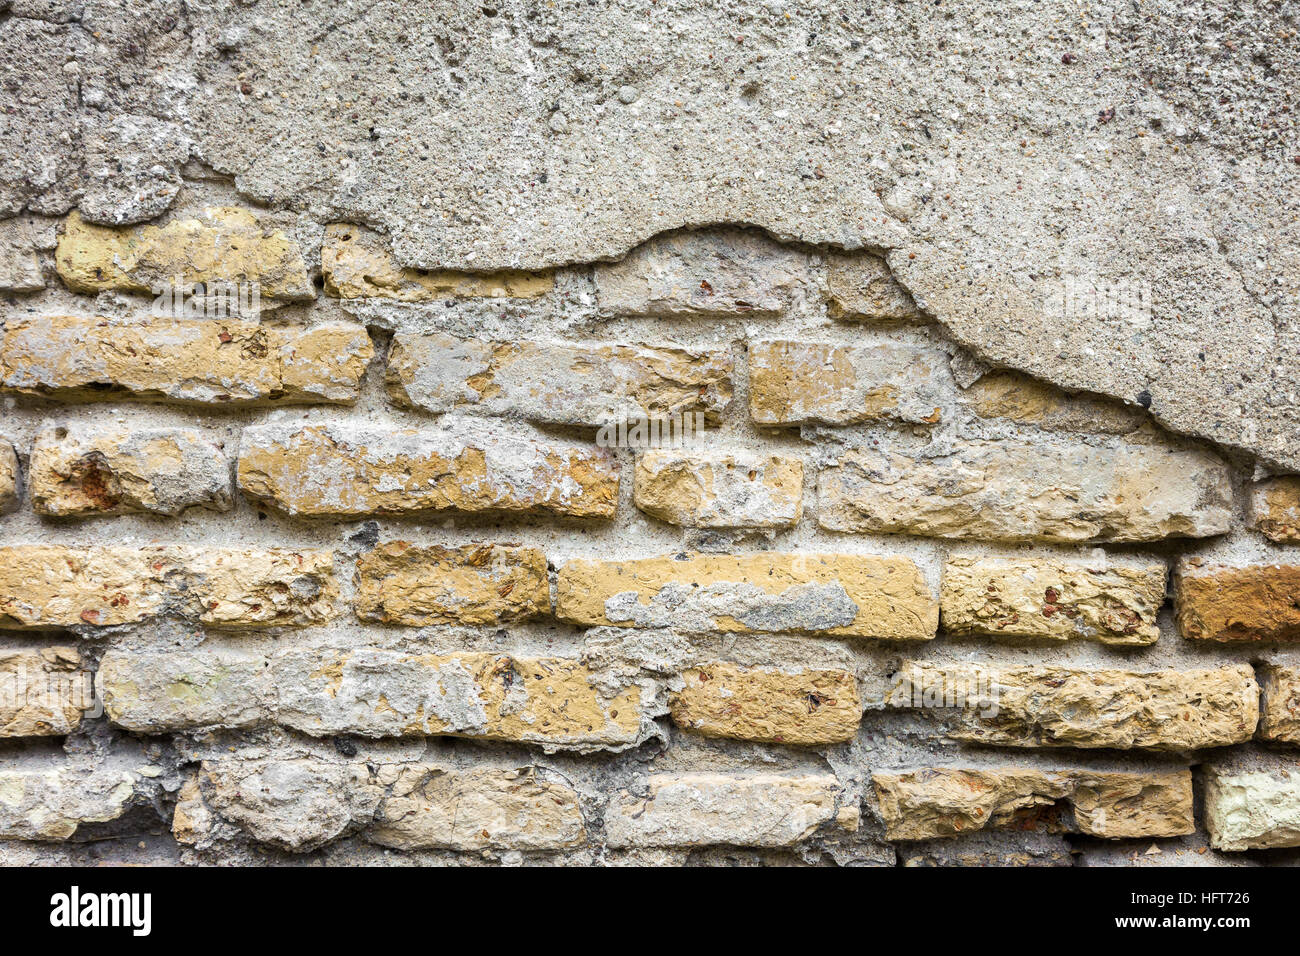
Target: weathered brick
column 50, row 804
column 558, row 384
column 1061, row 600
column 51, row 586
column 1019, row 398
column 703, row 809
column 378, row 693
column 224, row 244
column 800, row 706
column 796, row 383
column 741, row 490
column 1023, row 491
column 1256, row 603
column 719, row 272
column 1279, row 717
column 861, row 286
column 8, row 477
column 356, row 264
column 475, row 584
column 947, row 801
column 97, row 471
column 297, row 805
column 837, row 595
column 183, row 360
column 1275, row 507
column 1044, row 706
column 42, row 692
column 154, row 692
column 1252, row 809
column 351, row 470
column 477, row 809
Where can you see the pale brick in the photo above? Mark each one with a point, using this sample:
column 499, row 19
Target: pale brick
column 8, row 477
column 836, row 595
column 947, row 801
column 42, row 692
column 861, row 286
column 51, row 586
column 1023, row 491
column 741, row 490
column 799, row 706
column 356, row 264
column 98, row 471
column 1256, row 603
column 223, row 244
column 1044, row 706
column 590, row 385
column 1279, row 717
column 476, row 584
column 182, row 360
column 471, row 810
column 297, row 805
column 703, row 809
column 1019, row 398
column 1252, row 809
column 354, row 470
column 50, row 804
column 1275, row 507
column 550, row 701
column 798, row 383
column 1060, row 600
column 721, row 272
column 155, row 692
column 20, row 260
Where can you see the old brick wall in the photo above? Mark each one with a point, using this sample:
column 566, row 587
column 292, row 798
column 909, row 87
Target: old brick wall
column 358, row 579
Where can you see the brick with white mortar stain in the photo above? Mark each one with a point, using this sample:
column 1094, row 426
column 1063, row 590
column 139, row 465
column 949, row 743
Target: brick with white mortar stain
column 739, row 490
column 358, row 470
column 723, row 272
column 703, row 809
column 835, row 595
column 221, row 244
column 356, row 264
column 1050, row 706
column 54, row 586
column 801, row 383
column 1214, row 602
column 92, row 470
column 589, row 385
column 1029, row 491
column 1253, row 809
column 861, row 286
column 1059, row 600
column 51, row 803
column 552, row 701
column 794, row 706
column 399, row 583
column 153, row 692
column 205, row 361
column 1019, row 398
column 43, row 691
column 949, row 801
column 21, row 238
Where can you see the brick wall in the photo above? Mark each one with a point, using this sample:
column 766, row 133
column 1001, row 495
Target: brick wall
column 361, row 577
